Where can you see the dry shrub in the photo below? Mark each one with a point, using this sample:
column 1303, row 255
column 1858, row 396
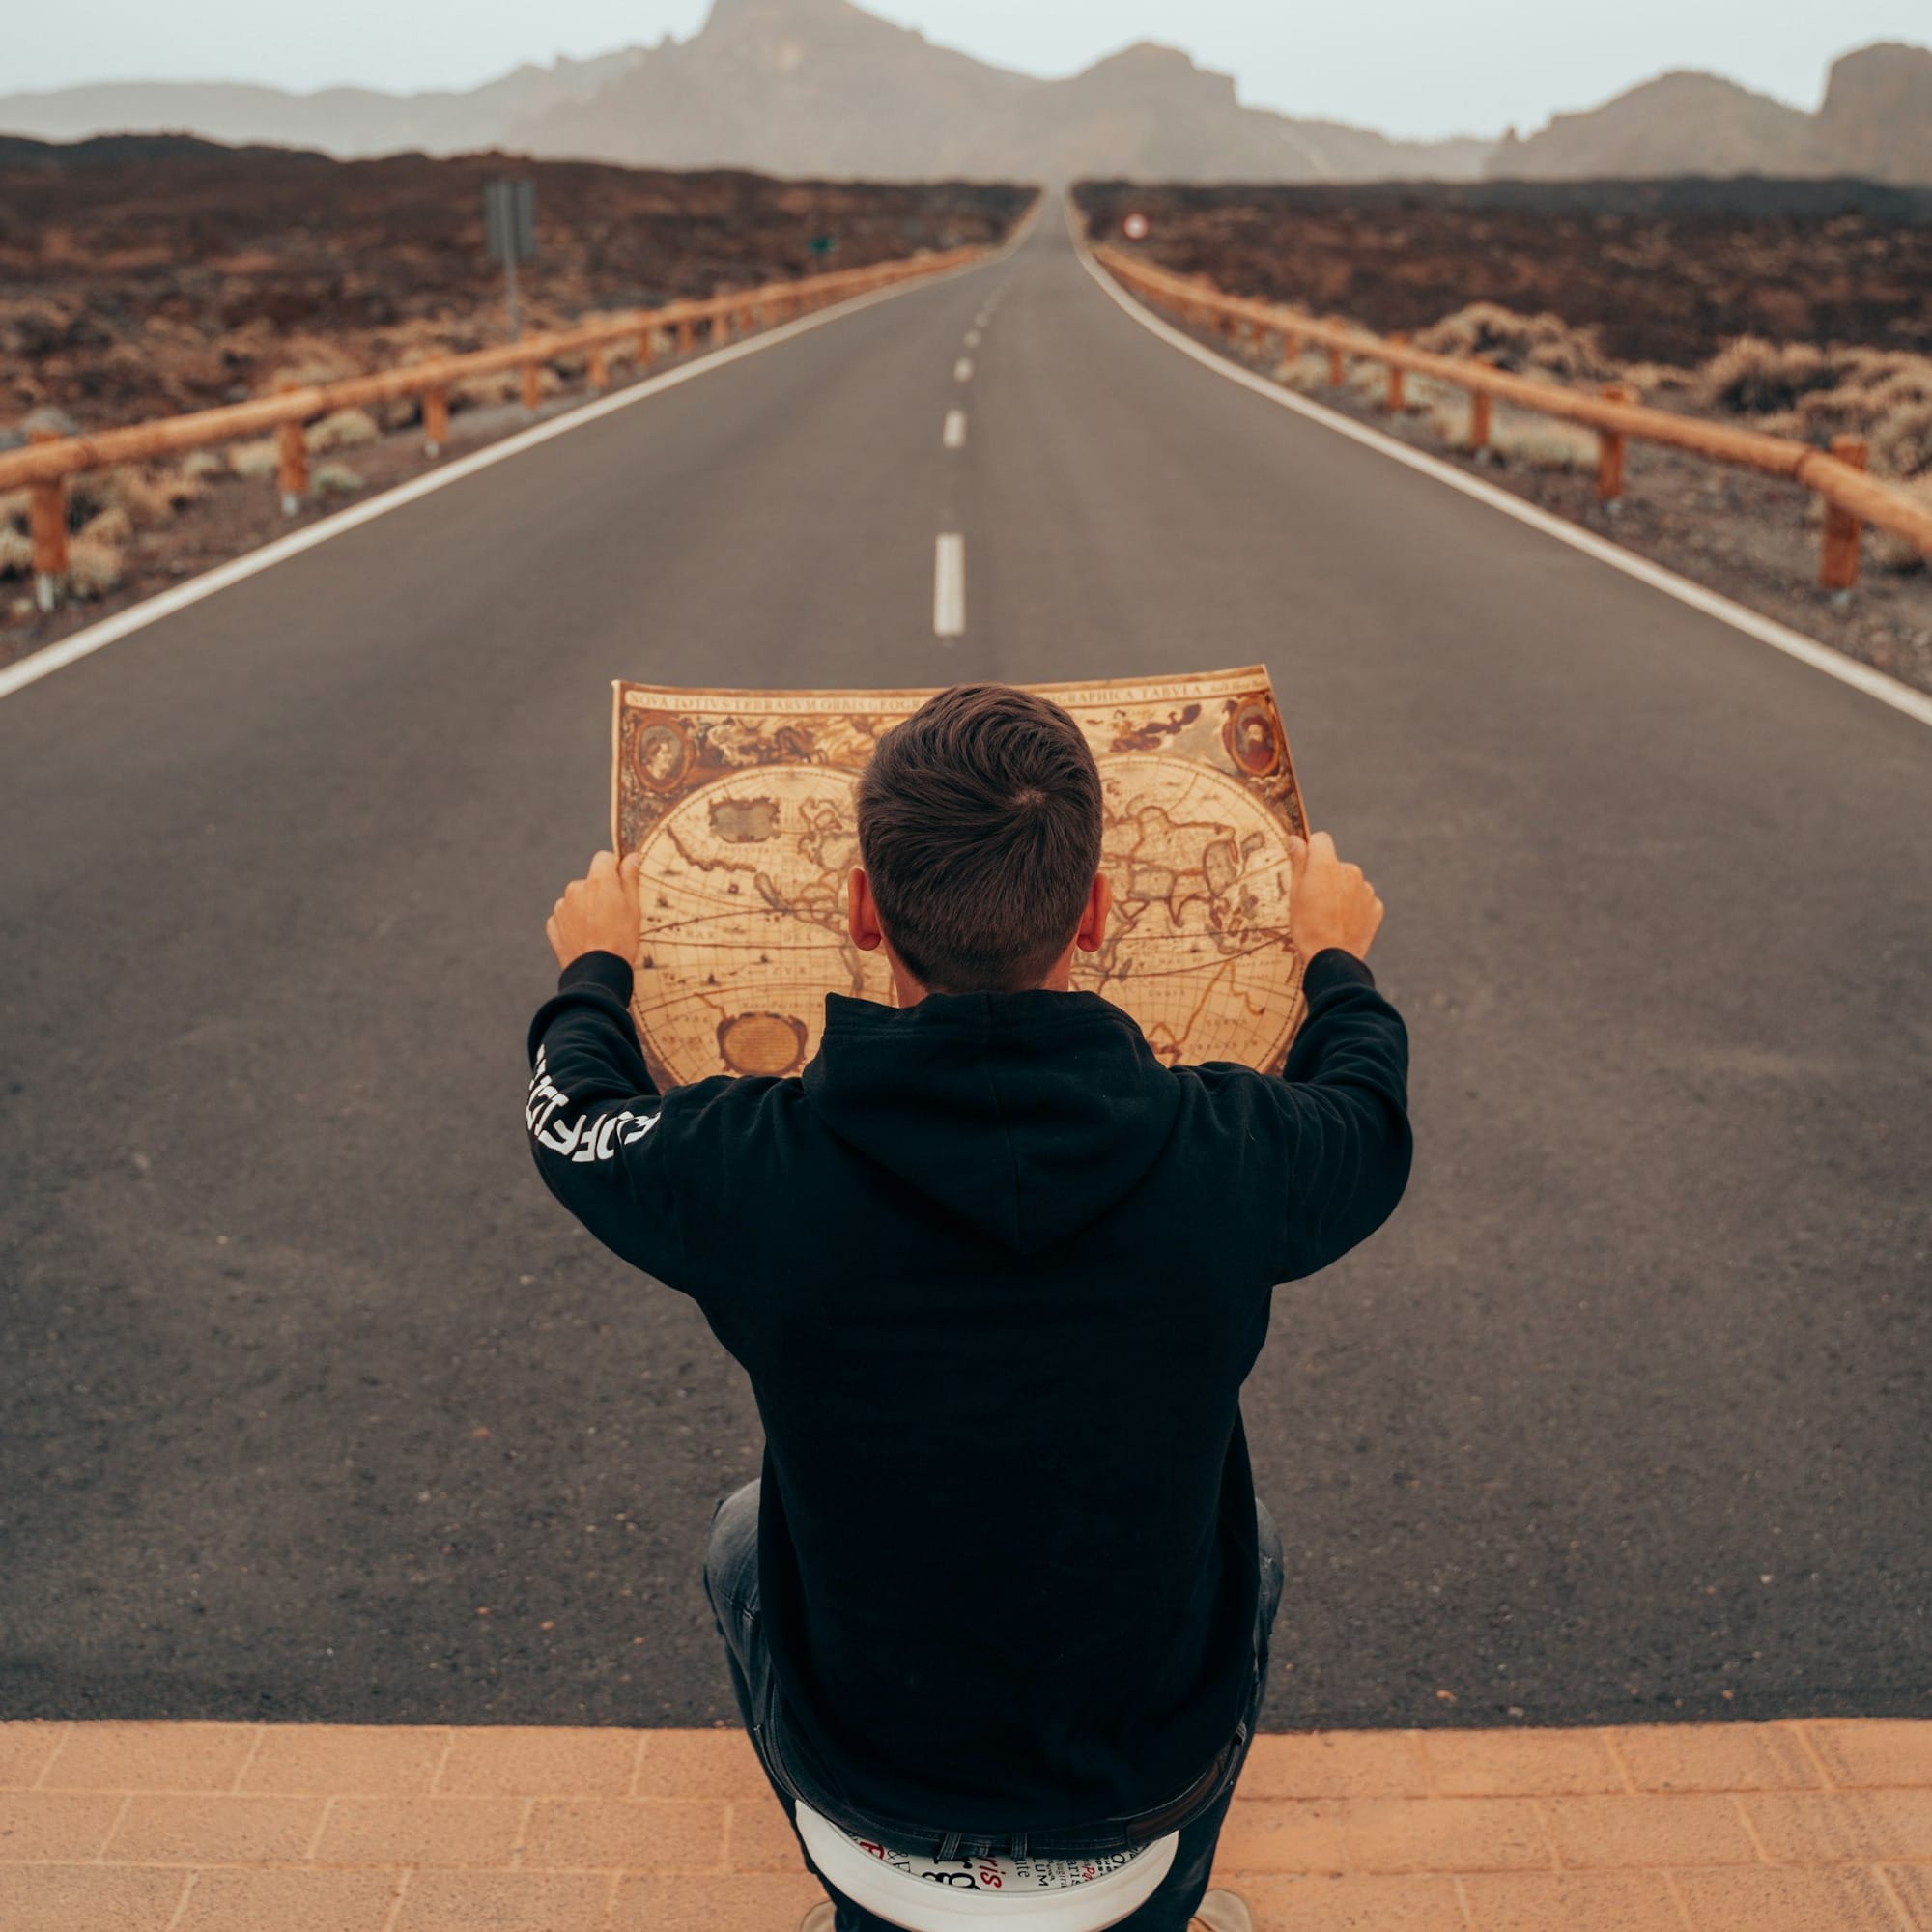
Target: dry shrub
column 1885, row 398
column 137, row 497
column 1815, row 396
column 16, row 552
column 254, row 459
column 1450, row 416
column 1541, row 442
column 506, row 386
column 1307, row 374
column 345, row 428
column 1826, row 414
column 198, row 464
column 1825, row 392
column 1904, row 385
column 335, row 479
column 484, row 392
column 1516, row 436
column 1427, row 396
column 1902, row 444
column 112, row 528
column 1868, row 387
column 149, row 496
column 93, row 568
column 1750, row 377
column 89, row 492
column 1526, row 344
column 16, row 507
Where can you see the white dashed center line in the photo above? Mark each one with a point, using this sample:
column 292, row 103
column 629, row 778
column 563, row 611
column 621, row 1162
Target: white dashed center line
column 953, row 436
column 972, row 338
column 962, row 370
column 948, row 587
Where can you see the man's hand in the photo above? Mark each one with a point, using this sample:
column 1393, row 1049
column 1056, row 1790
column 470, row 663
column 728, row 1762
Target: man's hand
column 598, row 913
column 1329, row 903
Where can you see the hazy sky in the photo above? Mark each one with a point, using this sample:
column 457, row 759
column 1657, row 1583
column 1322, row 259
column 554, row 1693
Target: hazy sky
column 1414, row 67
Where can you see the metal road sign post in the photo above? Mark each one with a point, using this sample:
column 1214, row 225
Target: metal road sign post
column 510, row 228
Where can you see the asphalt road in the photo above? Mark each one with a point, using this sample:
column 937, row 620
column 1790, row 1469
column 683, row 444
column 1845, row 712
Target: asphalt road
column 1625, row 1416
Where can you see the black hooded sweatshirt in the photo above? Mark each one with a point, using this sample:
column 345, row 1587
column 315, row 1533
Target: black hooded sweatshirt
column 996, row 1276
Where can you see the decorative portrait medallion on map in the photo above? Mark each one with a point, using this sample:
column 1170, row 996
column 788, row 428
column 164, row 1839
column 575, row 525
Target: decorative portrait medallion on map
column 742, row 804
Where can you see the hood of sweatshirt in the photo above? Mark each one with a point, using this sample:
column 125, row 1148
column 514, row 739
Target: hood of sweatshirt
column 1028, row 1113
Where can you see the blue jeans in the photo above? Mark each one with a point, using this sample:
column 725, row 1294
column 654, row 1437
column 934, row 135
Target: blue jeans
column 731, row 1584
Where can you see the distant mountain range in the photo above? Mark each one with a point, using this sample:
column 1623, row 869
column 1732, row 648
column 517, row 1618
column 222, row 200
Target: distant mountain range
column 1876, row 122
column 822, row 88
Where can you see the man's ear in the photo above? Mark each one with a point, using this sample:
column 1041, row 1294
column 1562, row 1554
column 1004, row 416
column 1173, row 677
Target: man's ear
column 862, row 914
column 1093, row 921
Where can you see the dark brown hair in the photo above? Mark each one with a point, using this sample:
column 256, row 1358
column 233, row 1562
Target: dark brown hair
column 980, row 829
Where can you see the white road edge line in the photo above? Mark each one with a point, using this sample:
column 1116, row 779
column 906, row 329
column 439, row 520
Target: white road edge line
column 962, row 370
column 953, row 435
column 1891, row 691
column 948, row 587
column 83, row 643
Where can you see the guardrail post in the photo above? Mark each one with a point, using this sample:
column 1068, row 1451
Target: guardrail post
column 599, row 371
column 1610, row 453
column 720, row 328
column 648, row 347
column 291, row 464
column 1481, row 407
column 1844, row 532
column 1291, row 348
column 686, row 335
column 1396, row 399
column 46, row 521
column 532, row 387
column 436, row 421
column 1337, row 373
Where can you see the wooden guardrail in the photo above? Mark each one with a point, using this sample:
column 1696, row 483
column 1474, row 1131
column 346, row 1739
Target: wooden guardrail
column 1852, row 498
column 49, row 460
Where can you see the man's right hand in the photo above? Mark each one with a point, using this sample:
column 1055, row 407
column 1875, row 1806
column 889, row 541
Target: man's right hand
column 1329, row 903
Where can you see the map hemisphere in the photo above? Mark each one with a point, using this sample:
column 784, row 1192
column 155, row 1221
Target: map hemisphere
column 743, row 807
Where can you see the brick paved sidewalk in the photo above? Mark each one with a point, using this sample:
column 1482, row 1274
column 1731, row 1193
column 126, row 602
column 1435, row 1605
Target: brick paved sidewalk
column 235, row 1828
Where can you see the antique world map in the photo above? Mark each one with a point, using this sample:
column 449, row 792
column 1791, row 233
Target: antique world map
column 742, row 806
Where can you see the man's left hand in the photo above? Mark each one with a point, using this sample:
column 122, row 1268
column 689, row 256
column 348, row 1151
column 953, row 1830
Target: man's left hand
column 598, row 913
